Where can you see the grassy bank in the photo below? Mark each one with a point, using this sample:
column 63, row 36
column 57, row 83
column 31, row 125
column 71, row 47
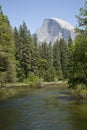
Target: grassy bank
column 56, row 84
column 11, row 90
column 80, row 92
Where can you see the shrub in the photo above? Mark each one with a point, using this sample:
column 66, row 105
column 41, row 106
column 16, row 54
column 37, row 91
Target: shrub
column 33, row 80
column 80, row 92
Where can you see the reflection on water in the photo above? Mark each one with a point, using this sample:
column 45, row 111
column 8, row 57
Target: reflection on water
column 43, row 109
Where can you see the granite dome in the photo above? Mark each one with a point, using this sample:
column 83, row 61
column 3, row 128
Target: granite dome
column 53, row 29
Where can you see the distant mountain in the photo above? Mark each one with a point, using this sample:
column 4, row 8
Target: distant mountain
column 53, row 29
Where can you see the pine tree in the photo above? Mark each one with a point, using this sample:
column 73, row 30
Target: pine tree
column 50, row 54
column 25, row 49
column 50, row 74
column 19, row 69
column 70, row 42
column 81, row 44
column 7, row 49
column 56, row 59
column 63, row 57
column 44, row 50
column 78, row 65
column 35, row 55
column 43, row 59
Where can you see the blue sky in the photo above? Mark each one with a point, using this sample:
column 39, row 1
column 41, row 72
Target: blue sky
column 33, row 12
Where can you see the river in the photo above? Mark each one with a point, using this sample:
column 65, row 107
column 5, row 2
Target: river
column 43, row 109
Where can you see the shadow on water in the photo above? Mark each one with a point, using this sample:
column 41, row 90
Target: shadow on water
column 66, row 98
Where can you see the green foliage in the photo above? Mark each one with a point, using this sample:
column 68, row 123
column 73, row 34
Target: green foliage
column 25, row 49
column 23, row 42
column 35, row 61
column 78, row 62
column 71, row 66
column 50, row 54
column 3, row 78
column 63, row 57
column 80, row 92
column 82, row 18
column 50, row 74
column 70, row 42
column 32, row 80
column 35, row 55
column 42, row 67
column 78, row 52
column 56, row 59
column 7, row 59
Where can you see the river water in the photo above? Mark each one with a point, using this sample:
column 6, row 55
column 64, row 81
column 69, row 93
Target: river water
column 43, row 109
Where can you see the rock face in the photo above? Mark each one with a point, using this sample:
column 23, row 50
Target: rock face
column 53, row 29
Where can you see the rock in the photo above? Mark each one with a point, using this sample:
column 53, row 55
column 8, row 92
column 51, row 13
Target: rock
column 53, row 29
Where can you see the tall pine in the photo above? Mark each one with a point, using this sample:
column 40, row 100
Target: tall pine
column 79, row 51
column 63, row 57
column 56, row 59
column 7, row 49
column 25, row 49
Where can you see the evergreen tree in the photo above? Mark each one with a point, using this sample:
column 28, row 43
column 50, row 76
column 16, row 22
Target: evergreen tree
column 43, row 59
column 7, row 49
column 35, row 55
column 19, row 69
column 70, row 42
column 63, row 57
column 50, row 54
column 79, row 51
column 82, row 20
column 56, row 59
column 50, row 74
column 81, row 44
column 44, row 50
column 71, row 65
column 25, row 49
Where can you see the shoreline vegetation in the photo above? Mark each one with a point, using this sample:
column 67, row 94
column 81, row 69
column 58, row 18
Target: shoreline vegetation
column 38, row 85
column 10, row 90
column 80, row 92
column 13, row 89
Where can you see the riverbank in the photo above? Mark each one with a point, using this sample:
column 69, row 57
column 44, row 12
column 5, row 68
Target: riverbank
column 80, row 92
column 40, row 85
column 56, row 84
column 11, row 90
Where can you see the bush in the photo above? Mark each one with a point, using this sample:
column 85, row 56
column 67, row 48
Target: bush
column 3, row 78
column 33, row 80
column 80, row 92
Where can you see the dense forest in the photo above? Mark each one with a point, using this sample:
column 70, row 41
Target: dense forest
column 23, row 59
